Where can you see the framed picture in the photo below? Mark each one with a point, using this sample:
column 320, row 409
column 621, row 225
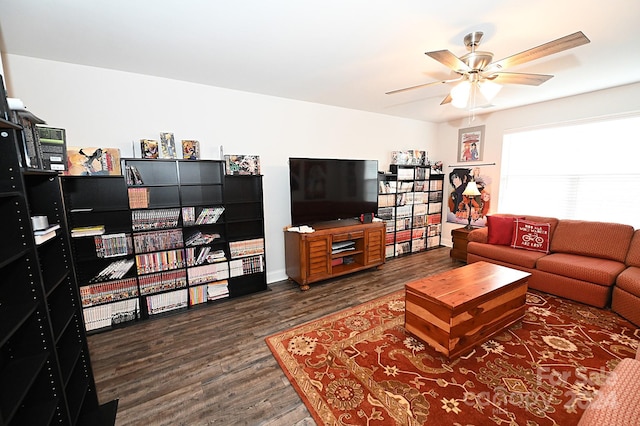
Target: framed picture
column 149, row 148
column 92, row 161
column 167, row 146
column 190, row 149
column 242, row 164
column 470, row 144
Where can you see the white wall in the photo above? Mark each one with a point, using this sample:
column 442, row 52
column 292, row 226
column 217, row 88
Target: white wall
column 619, row 100
column 101, row 107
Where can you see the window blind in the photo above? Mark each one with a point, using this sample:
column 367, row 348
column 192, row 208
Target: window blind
column 587, row 171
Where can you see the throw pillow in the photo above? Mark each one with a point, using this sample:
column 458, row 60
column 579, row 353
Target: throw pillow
column 500, row 230
column 531, row 235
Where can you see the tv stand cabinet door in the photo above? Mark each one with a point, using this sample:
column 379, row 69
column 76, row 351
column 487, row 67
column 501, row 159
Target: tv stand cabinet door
column 318, row 258
column 374, row 243
column 308, row 257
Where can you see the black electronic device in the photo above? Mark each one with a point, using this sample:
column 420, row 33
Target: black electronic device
column 324, row 189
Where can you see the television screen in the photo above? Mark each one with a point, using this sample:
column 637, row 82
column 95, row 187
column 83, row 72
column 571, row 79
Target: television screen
column 325, row 189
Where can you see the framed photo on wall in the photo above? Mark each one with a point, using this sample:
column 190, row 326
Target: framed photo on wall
column 470, row 144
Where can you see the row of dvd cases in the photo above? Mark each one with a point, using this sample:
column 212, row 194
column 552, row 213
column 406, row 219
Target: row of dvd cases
column 163, row 236
column 410, row 203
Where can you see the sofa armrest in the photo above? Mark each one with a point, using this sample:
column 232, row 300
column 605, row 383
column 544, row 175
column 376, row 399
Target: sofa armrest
column 479, row 235
column 638, row 354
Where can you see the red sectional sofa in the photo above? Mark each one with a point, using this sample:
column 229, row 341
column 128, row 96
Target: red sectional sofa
column 618, row 400
column 585, row 261
column 626, row 292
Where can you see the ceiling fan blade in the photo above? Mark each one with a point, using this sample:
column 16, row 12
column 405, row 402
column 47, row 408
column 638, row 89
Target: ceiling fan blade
column 563, row 43
column 519, row 78
column 446, row 100
column 421, row 85
column 449, row 60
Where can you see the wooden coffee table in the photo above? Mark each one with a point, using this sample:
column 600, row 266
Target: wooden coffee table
column 458, row 309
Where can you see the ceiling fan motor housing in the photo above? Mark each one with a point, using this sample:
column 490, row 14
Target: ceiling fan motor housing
column 476, row 60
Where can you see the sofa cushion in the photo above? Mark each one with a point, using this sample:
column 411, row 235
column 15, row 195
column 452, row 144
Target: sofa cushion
column 500, row 229
column 626, row 304
column 531, row 235
column 479, row 235
column 584, row 268
column 633, row 255
column 618, row 400
column 594, row 239
column 523, row 258
column 629, row 280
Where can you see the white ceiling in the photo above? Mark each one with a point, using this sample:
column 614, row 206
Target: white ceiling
column 346, row 53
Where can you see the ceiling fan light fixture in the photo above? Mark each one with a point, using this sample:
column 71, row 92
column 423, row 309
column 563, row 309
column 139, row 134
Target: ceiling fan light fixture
column 460, row 94
column 489, row 89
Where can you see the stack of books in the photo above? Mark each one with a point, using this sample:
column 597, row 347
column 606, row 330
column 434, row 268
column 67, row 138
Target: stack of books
column 87, row 231
column 43, row 235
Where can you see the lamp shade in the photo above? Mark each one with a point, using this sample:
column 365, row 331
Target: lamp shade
column 460, row 94
column 489, row 89
column 471, row 190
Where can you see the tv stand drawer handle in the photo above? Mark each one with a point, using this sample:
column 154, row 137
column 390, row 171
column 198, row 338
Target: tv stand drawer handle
column 348, row 236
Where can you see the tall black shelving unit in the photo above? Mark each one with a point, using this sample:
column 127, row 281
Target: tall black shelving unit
column 245, row 224
column 102, row 200
column 45, row 369
column 410, row 202
column 191, row 234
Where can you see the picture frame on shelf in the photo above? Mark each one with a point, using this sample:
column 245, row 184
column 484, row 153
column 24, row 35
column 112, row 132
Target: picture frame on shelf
column 92, row 161
column 411, row 157
column 242, row 164
column 471, row 144
column 148, row 148
column 167, row 146
column 190, row 149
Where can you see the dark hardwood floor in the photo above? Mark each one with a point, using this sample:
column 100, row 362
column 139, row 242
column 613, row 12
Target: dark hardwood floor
column 211, row 365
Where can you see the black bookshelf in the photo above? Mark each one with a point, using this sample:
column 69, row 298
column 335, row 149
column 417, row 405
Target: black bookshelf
column 193, row 236
column 99, row 219
column 410, row 202
column 45, row 367
column 245, row 225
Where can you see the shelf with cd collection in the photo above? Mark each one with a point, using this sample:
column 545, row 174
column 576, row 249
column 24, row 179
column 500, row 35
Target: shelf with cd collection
column 102, row 246
column 168, row 235
column 410, row 202
column 159, row 259
column 207, row 253
column 194, row 268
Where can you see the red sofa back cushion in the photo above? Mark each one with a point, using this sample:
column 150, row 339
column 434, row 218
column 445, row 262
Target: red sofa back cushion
column 633, row 256
column 595, row 239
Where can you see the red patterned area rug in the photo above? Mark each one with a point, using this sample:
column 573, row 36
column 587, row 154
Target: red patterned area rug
column 360, row 367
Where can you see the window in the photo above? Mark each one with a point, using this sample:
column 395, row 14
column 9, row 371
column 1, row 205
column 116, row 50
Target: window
column 587, row 171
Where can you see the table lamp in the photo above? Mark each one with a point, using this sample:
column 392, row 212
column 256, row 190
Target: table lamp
column 470, row 191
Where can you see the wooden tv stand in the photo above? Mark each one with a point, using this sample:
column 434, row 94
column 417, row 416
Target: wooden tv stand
column 309, row 257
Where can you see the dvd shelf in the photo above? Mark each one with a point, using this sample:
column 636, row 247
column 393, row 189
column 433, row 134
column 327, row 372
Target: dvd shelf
column 183, row 231
column 45, row 368
column 98, row 212
column 410, row 202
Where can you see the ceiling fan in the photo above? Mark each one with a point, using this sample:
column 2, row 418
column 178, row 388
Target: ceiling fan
column 477, row 71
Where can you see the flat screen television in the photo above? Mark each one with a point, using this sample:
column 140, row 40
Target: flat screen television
column 324, row 189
